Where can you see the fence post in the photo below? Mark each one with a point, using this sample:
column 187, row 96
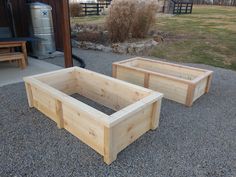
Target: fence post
column 97, row 8
column 85, row 9
column 186, row 10
column 174, row 9
column 191, row 8
column 180, row 8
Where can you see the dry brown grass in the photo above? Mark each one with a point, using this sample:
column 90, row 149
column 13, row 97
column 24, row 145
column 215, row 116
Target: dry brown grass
column 130, row 18
column 76, row 10
column 145, row 17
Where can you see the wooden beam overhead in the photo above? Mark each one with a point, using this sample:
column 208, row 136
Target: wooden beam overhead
column 66, row 34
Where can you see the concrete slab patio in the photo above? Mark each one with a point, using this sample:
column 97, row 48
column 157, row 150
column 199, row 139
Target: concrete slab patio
column 10, row 73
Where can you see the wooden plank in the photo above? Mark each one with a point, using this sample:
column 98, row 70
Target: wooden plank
column 51, row 74
column 173, row 90
column 146, row 80
column 176, row 71
column 156, row 109
column 172, row 64
column 137, row 77
column 114, row 70
column 29, row 94
column 63, row 81
column 208, row 83
column 140, row 70
column 171, row 79
column 11, row 56
column 190, row 94
column 125, row 113
column 130, row 129
column 84, row 126
column 107, row 135
column 110, row 153
column 108, row 91
column 24, row 51
column 200, row 88
column 67, row 100
column 59, row 114
column 44, row 103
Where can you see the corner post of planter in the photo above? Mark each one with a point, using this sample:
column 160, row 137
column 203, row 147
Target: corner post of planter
column 156, row 109
column 114, row 70
column 59, row 114
column 190, row 94
column 29, row 94
column 146, row 80
column 110, row 153
column 208, row 83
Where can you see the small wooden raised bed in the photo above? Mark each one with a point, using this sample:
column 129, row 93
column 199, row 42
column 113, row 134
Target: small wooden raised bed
column 138, row 108
column 179, row 83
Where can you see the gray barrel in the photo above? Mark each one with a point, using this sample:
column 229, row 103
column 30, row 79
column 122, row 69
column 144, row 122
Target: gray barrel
column 42, row 28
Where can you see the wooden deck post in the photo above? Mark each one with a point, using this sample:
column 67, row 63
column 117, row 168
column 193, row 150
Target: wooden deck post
column 66, row 34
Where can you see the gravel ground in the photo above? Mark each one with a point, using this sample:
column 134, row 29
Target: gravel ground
column 198, row 141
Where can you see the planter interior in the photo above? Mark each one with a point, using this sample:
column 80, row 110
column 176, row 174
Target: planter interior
column 179, row 83
column 136, row 109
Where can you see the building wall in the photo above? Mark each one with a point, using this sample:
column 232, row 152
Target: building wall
column 21, row 16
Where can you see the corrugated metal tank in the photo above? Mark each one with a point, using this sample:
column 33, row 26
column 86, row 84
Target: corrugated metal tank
column 42, row 28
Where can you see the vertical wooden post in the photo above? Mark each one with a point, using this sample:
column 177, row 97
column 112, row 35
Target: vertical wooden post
column 110, row 154
column 59, row 113
column 29, row 95
column 208, row 83
column 114, row 70
column 156, row 109
column 23, row 47
column 22, row 63
column 146, row 80
column 190, row 94
column 85, row 9
column 191, row 8
column 66, row 34
column 97, row 9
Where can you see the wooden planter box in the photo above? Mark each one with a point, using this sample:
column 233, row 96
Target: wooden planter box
column 179, row 83
column 138, row 108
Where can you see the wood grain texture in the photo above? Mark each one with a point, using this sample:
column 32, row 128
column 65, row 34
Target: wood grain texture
column 21, row 57
column 138, row 111
column 179, row 83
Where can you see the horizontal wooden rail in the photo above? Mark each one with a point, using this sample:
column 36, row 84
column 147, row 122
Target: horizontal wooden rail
column 94, row 8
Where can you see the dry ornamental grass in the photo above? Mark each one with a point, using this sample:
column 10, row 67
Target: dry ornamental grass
column 76, row 10
column 130, row 18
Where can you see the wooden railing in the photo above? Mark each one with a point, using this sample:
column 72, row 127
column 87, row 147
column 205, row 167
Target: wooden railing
column 182, row 7
column 94, row 8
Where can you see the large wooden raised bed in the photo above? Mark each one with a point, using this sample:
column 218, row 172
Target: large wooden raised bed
column 138, row 108
column 179, row 83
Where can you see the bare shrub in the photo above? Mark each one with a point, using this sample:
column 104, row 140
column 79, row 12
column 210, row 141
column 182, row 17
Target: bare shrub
column 144, row 18
column 119, row 20
column 127, row 17
column 76, row 9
